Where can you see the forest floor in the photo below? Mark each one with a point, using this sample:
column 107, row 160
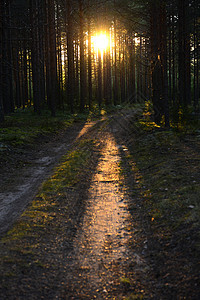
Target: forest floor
column 117, row 217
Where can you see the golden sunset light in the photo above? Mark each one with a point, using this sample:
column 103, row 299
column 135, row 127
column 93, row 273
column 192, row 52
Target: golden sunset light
column 101, row 42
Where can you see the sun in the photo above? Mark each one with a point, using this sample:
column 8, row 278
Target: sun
column 100, row 42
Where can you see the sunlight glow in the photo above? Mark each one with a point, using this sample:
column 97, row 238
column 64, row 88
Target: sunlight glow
column 100, row 42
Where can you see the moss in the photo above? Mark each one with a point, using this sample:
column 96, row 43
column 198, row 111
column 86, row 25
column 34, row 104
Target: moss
column 125, row 280
column 135, row 297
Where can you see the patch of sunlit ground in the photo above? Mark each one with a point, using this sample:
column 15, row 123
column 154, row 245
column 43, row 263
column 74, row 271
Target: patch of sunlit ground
column 102, row 245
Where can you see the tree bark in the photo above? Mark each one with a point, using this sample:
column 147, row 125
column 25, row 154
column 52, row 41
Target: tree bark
column 35, row 55
column 115, row 88
column 159, row 62
column 183, row 54
column 99, row 79
column 53, row 57
column 82, row 58
column 89, row 61
column 1, row 63
column 70, row 57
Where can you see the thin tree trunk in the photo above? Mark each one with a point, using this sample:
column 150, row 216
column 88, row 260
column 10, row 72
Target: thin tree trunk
column 1, row 63
column 70, row 58
column 35, row 55
column 25, row 73
column 9, row 59
column 41, row 33
column 82, row 59
column 89, row 63
column 99, row 79
column 183, row 54
column 29, row 78
column 115, row 90
column 53, row 58
column 47, row 55
column 132, row 71
column 173, row 63
column 170, row 59
column 164, row 63
column 17, row 79
column 122, row 71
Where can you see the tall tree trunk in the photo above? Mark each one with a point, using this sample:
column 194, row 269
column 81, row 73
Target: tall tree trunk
column 70, row 58
column 29, row 78
column 82, row 58
column 17, row 78
column 89, row 61
column 173, row 62
column 99, row 79
column 25, row 73
column 7, row 92
column 156, row 64
column 184, row 54
column 109, row 79
column 1, row 64
column 35, row 54
column 132, row 71
column 21, row 75
column 196, row 71
column 115, row 88
column 53, row 57
column 41, row 34
column 47, row 55
column 9, row 59
column 77, row 73
column 159, row 61
column 122, row 70
column 59, row 55
column 170, row 58
column 164, row 62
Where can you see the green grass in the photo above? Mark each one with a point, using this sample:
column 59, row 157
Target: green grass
column 24, row 126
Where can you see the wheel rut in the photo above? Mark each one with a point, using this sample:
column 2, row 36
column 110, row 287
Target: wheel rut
column 101, row 258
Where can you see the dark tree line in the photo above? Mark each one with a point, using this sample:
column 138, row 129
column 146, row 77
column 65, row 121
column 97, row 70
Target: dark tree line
column 175, row 56
column 48, row 57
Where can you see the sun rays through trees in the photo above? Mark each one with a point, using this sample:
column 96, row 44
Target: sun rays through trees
column 74, row 54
